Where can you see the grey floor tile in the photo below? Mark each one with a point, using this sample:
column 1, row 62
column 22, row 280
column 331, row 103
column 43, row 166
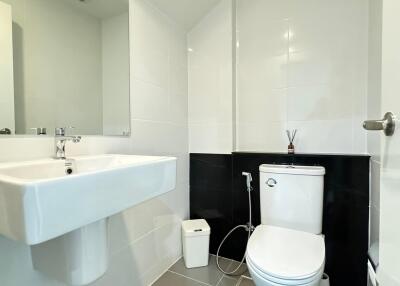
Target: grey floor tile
column 246, row 282
column 172, row 279
column 236, row 281
column 228, row 281
column 207, row 274
column 242, row 270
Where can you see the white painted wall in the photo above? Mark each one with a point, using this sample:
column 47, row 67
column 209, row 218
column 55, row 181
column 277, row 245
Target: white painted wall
column 145, row 239
column 115, row 74
column 6, row 69
column 210, row 82
column 302, row 65
column 374, row 111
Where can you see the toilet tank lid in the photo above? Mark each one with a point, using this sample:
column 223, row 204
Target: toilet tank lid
column 293, row 169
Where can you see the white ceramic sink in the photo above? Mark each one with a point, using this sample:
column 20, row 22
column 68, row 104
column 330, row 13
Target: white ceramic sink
column 40, row 201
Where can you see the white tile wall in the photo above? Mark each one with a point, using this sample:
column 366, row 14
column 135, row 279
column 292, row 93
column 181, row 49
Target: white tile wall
column 210, row 82
column 389, row 236
column 301, row 65
column 291, row 73
column 374, row 111
column 145, row 239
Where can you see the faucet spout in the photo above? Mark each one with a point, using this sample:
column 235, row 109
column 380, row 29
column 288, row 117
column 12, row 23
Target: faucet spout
column 60, row 142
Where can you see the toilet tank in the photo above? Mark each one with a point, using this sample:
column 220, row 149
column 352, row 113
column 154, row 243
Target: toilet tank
column 292, row 196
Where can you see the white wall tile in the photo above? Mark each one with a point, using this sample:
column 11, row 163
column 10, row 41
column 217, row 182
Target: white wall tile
column 374, row 111
column 374, row 75
column 145, row 239
column 151, row 42
column 263, row 106
column 210, row 81
column 178, row 108
column 323, row 136
column 359, row 138
column 16, row 266
column 375, row 183
column 317, row 52
column 144, row 260
column 210, row 137
column 152, row 106
column 374, row 218
column 319, row 102
column 267, row 137
column 122, row 271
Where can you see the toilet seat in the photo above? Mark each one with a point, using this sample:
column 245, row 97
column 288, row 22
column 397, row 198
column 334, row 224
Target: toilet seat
column 285, row 256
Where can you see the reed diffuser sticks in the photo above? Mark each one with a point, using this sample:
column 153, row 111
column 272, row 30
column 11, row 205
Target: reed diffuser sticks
column 291, row 136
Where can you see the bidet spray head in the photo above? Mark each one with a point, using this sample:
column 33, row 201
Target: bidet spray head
column 249, row 179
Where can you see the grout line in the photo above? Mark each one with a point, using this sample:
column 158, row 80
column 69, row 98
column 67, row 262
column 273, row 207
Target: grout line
column 219, row 281
column 198, row 281
column 239, row 281
column 172, row 264
column 230, row 262
column 130, row 243
column 167, row 122
column 223, row 274
column 159, row 276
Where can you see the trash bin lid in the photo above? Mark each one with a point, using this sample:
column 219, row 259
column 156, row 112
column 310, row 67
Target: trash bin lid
column 195, row 227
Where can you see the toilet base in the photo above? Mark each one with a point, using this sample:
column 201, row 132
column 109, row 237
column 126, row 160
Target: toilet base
column 261, row 281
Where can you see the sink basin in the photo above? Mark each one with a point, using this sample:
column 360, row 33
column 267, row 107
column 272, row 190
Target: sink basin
column 44, row 199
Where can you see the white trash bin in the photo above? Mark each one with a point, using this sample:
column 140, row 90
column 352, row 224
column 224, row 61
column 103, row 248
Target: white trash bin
column 196, row 241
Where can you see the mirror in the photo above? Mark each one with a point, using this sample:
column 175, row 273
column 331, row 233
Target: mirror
column 64, row 63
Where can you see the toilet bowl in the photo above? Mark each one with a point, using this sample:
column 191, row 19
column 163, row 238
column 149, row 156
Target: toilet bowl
column 281, row 256
column 288, row 247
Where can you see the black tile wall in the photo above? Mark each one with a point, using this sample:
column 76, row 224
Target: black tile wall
column 217, row 193
column 210, row 194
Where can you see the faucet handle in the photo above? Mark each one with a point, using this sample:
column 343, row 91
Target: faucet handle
column 39, row 130
column 60, row 131
column 76, row 139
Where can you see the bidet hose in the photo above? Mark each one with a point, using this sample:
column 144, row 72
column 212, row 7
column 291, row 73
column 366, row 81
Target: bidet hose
column 249, row 229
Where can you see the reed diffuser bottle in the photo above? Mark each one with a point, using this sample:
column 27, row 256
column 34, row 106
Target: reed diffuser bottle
column 291, row 136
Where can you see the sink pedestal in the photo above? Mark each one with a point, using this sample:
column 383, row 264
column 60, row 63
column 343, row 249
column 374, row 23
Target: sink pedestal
column 76, row 258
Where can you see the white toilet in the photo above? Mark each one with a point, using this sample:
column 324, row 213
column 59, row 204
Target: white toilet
column 288, row 247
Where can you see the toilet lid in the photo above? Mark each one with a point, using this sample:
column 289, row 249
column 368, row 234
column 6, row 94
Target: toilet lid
column 286, row 253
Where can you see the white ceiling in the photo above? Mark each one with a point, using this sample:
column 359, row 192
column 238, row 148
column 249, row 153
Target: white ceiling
column 185, row 12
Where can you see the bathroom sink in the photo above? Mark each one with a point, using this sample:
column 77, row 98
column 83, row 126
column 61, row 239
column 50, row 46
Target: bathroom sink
column 44, row 199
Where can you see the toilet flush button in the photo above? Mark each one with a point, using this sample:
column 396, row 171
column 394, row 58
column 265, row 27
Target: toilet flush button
column 271, row 182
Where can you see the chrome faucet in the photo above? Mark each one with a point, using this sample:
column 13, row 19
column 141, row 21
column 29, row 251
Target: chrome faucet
column 60, row 140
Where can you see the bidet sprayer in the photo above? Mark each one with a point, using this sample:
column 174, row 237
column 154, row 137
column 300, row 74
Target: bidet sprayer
column 249, row 179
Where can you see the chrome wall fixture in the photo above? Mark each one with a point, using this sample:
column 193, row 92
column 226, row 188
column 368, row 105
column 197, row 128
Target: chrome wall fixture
column 387, row 124
column 6, row 131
